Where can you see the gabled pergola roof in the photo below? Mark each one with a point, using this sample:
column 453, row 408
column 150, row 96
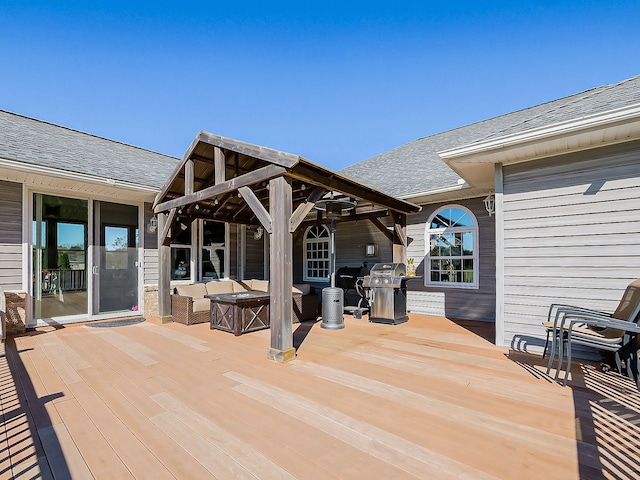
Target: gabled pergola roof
column 208, row 183
column 228, row 180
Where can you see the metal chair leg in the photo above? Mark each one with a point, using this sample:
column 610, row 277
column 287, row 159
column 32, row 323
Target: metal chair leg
column 566, row 373
column 546, row 344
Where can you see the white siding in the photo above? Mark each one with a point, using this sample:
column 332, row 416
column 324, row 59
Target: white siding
column 150, row 250
column 571, row 235
column 11, row 235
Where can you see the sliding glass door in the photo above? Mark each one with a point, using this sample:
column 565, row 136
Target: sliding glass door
column 115, row 270
column 59, row 245
column 85, row 259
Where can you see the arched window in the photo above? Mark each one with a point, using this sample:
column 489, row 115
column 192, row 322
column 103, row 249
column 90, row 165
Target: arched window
column 316, row 253
column 452, row 248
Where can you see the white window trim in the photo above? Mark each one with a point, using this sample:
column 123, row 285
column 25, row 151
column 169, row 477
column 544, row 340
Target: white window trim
column 201, row 246
column 427, row 249
column 306, row 240
column 28, row 191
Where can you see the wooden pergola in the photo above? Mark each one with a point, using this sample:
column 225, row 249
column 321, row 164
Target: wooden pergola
column 226, row 180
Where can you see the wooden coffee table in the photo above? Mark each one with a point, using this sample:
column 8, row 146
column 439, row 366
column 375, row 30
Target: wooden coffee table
column 239, row 313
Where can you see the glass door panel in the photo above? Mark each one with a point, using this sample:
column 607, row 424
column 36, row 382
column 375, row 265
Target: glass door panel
column 116, row 262
column 59, row 256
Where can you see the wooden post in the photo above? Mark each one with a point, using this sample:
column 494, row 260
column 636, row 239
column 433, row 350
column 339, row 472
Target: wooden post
column 188, row 177
column 281, row 272
column 164, row 270
column 219, row 166
column 399, row 238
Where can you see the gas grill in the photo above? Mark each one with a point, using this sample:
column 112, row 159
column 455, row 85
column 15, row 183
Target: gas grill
column 387, row 293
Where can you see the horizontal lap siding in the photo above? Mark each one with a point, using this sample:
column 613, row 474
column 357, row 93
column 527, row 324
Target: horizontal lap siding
column 254, row 266
column 571, row 235
column 351, row 241
column 11, row 235
column 458, row 303
column 150, row 249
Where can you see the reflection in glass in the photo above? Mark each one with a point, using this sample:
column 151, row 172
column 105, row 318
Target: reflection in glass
column 117, row 279
column 213, row 244
column 181, row 263
column 59, row 256
column 452, row 247
column 116, row 243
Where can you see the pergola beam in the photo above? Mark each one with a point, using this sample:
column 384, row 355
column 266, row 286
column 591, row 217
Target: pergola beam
column 304, row 208
column 382, row 227
column 259, row 175
column 256, row 207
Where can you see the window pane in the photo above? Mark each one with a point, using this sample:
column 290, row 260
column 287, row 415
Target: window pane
column 451, row 247
column 180, row 263
column 116, row 243
column 316, row 253
column 460, row 218
column 182, row 234
column 467, row 243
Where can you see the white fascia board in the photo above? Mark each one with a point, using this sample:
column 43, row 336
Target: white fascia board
column 80, row 177
column 435, row 191
column 481, row 151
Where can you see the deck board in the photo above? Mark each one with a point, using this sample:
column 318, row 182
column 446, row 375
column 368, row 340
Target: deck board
column 430, row 398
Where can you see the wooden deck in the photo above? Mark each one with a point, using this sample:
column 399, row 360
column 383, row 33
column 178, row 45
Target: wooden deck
column 425, row 399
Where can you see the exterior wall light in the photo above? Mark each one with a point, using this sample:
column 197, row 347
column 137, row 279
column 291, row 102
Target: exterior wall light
column 490, row 204
column 152, row 226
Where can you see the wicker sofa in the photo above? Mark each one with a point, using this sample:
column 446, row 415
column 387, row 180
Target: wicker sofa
column 189, row 305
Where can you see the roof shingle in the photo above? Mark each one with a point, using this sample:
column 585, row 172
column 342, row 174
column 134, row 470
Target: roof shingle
column 36, row 142
column 415, row 167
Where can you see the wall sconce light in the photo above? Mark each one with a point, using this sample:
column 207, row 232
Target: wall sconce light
column 370, row 250
column 490, row 204
column 257, row 235
column 152, row 226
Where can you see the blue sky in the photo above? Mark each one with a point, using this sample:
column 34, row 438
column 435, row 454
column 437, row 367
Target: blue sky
column 334, row 82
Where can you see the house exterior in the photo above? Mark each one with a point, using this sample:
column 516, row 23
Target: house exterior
column 566, row 228
column 564, row 177
column 73, row 213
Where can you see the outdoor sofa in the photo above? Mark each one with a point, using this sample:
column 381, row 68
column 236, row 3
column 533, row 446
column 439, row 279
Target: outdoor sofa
column 189, row 304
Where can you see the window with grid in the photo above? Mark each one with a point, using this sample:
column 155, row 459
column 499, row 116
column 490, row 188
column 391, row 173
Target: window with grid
column 451, row 258
column 316, row 251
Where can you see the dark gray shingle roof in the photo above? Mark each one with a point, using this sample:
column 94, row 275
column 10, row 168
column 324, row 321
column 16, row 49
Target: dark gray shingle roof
column 35, row 142
column 416, row 167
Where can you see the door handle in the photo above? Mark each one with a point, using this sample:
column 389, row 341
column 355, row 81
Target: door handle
column 94, row 270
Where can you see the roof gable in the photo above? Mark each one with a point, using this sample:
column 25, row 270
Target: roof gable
column 34, row 142
column 415, row 168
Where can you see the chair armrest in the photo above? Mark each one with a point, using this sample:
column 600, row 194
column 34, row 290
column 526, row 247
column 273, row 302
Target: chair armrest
column 601, row 321
column 562, row 308
column 182, row 302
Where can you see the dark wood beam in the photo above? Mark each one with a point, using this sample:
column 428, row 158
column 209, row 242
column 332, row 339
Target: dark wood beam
column 257, row 208
column 373, row 216
column 382, row 227
column 321, row 177
column 304, row 208
column 163, row 229
column 399, row 237
column 399, row 226
column 219, row 166
column 188, row 177
column 259, row 175
column 221, row 201
column 275, row 157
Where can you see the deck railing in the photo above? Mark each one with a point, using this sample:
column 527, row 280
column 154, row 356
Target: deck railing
column 63, row 280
